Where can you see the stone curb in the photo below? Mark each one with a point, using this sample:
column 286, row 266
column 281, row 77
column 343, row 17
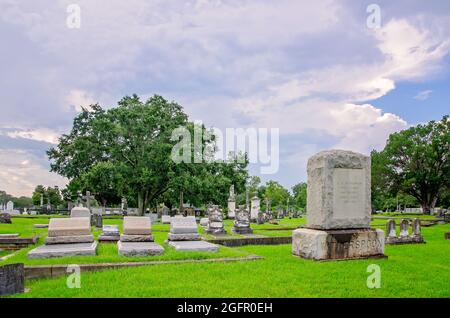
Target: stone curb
column 48, row 271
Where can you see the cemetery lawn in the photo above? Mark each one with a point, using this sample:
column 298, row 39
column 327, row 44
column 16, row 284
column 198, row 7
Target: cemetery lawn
column 416, row 270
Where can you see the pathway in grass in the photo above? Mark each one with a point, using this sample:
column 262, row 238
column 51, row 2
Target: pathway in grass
column 421, row 270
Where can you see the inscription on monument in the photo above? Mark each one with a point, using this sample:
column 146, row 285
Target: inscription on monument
column 349, row 193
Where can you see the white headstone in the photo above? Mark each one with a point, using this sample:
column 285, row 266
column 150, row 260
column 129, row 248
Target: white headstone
column 255, row 208
column 80, row 212
column 10, row 206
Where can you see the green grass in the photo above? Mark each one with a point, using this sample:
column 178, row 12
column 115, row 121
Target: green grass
column 421, row 270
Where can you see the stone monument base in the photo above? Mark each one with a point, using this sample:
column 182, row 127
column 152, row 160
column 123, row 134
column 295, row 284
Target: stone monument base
column 414, row 239
column 242, row 230
column 338, row 244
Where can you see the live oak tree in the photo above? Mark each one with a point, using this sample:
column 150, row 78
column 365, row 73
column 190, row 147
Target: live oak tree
column 415, row 161
column 127, row 151
column 132, row 143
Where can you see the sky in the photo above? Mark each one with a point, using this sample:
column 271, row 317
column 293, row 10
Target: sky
column 317, row 71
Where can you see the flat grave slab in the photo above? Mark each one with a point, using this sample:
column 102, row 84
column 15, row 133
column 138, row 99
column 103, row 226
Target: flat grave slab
column 63, row 250
column 139, row 249
column 193, row 246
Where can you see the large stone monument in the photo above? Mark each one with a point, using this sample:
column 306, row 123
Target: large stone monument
column 232, row 204
column 254, row 208
column 215, row 224
column 242, row 221
column 339, row 208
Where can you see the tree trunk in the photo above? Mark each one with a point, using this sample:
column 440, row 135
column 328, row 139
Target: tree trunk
column 141, row 202
column 181, row 202
column 426, row 208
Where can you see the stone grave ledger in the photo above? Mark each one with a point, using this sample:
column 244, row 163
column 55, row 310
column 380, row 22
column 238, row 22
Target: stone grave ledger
column 338, row 209
column 67, row 237
column 183, row 229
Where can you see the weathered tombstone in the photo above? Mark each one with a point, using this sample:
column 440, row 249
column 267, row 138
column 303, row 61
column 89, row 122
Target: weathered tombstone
column 137, row 239
column 261, row 218
column 339, row 208
column 5, row 218
column 242, row 221
column 232, row 203
column 12, row 279
column 447, row 236
column 215, row 224
column 254, row 208
column 390, row 231
column 416, row 234
column 404, row 229
column 110, row 233
column 67, row 237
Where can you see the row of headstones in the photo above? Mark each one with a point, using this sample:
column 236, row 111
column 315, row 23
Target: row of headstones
column 404, row 235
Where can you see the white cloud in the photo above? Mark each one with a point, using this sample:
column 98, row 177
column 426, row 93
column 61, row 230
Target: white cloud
column 39, row 134
column 78, row 99
column 423, row 95
column 20, row 173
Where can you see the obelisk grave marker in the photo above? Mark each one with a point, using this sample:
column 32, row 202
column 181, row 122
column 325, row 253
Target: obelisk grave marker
column 338, row 209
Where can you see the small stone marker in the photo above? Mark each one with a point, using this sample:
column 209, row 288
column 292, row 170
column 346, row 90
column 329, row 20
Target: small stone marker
column 12, row 279
column 339, row 208
column 40, row 226
column 110, row 233
column 447, row 236
column 391, row 232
